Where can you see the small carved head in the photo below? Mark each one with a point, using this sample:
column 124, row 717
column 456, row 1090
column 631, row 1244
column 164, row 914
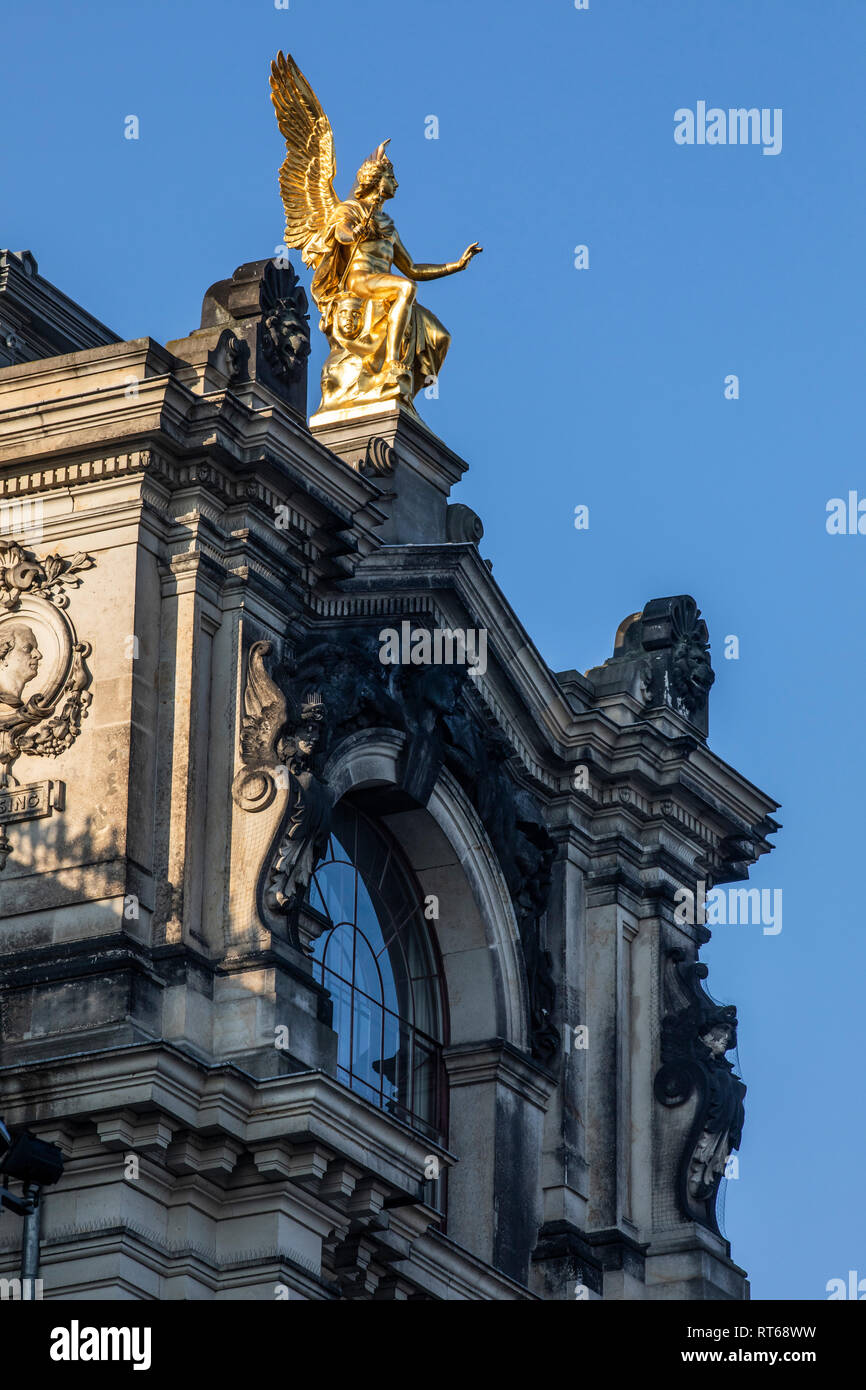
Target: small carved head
column 235, row 352
column 719, row 1038
column 349, row 316
column 303, row 746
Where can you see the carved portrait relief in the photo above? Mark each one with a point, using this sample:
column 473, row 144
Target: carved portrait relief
column 43, row 673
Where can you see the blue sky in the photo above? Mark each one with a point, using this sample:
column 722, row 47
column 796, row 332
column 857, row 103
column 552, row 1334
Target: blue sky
column 603, row 387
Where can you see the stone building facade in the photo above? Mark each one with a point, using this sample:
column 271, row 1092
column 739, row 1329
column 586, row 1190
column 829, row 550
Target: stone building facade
column 338, row 969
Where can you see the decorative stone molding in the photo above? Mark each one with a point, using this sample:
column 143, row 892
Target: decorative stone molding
column 379, row 458
column 68, row 473
column 496, row 1061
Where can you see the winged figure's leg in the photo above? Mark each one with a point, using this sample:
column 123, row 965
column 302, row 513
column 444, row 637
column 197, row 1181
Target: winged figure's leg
column 399, row 294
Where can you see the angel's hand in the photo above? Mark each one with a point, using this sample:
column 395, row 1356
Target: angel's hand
column 473, row 250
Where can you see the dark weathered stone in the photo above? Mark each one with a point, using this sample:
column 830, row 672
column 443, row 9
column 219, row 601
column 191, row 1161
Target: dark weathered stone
column 662, row 658
column 694, row 1041
column 36, row 319
column 266, row 307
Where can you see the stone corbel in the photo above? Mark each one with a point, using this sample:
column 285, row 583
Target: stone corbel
column 695, row 1038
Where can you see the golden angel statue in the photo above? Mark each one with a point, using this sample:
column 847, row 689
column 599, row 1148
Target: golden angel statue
column 384, row 345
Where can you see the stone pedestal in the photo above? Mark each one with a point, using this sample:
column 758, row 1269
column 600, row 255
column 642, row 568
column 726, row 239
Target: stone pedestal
column 414, row 468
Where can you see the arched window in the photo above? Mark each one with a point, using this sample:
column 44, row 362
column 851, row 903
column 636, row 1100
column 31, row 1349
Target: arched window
column 377, row 959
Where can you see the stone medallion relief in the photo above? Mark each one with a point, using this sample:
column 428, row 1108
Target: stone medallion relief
column 44, row 678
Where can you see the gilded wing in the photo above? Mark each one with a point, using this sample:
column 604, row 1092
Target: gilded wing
column 265, row 710
column 308, row 170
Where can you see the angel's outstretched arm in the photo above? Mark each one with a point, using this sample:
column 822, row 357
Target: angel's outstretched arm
column 403, row 261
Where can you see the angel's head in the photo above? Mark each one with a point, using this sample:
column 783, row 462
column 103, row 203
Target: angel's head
column 376, row 174
column 350, row 316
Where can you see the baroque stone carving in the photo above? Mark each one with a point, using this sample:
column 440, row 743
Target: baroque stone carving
column 38, row 646
column 692, row 674
column 661, row 657
column 286, row 322
column 695, row 1039
column 279, row 739
column 256, row 325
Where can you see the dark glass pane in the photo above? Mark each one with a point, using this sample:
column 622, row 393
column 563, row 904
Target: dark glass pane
column 336, row 882
column 316, row 899
column 367, row 1041
column 361, row 1088
column 425, row 1065
column 367, row 977
column 341, row 994
column 337, row 949
column 393, row 1060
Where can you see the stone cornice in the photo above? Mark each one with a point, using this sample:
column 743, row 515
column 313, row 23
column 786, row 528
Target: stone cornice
column 303, row 1108
column 65, row 473
column 641, row 766
column 47, row 320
